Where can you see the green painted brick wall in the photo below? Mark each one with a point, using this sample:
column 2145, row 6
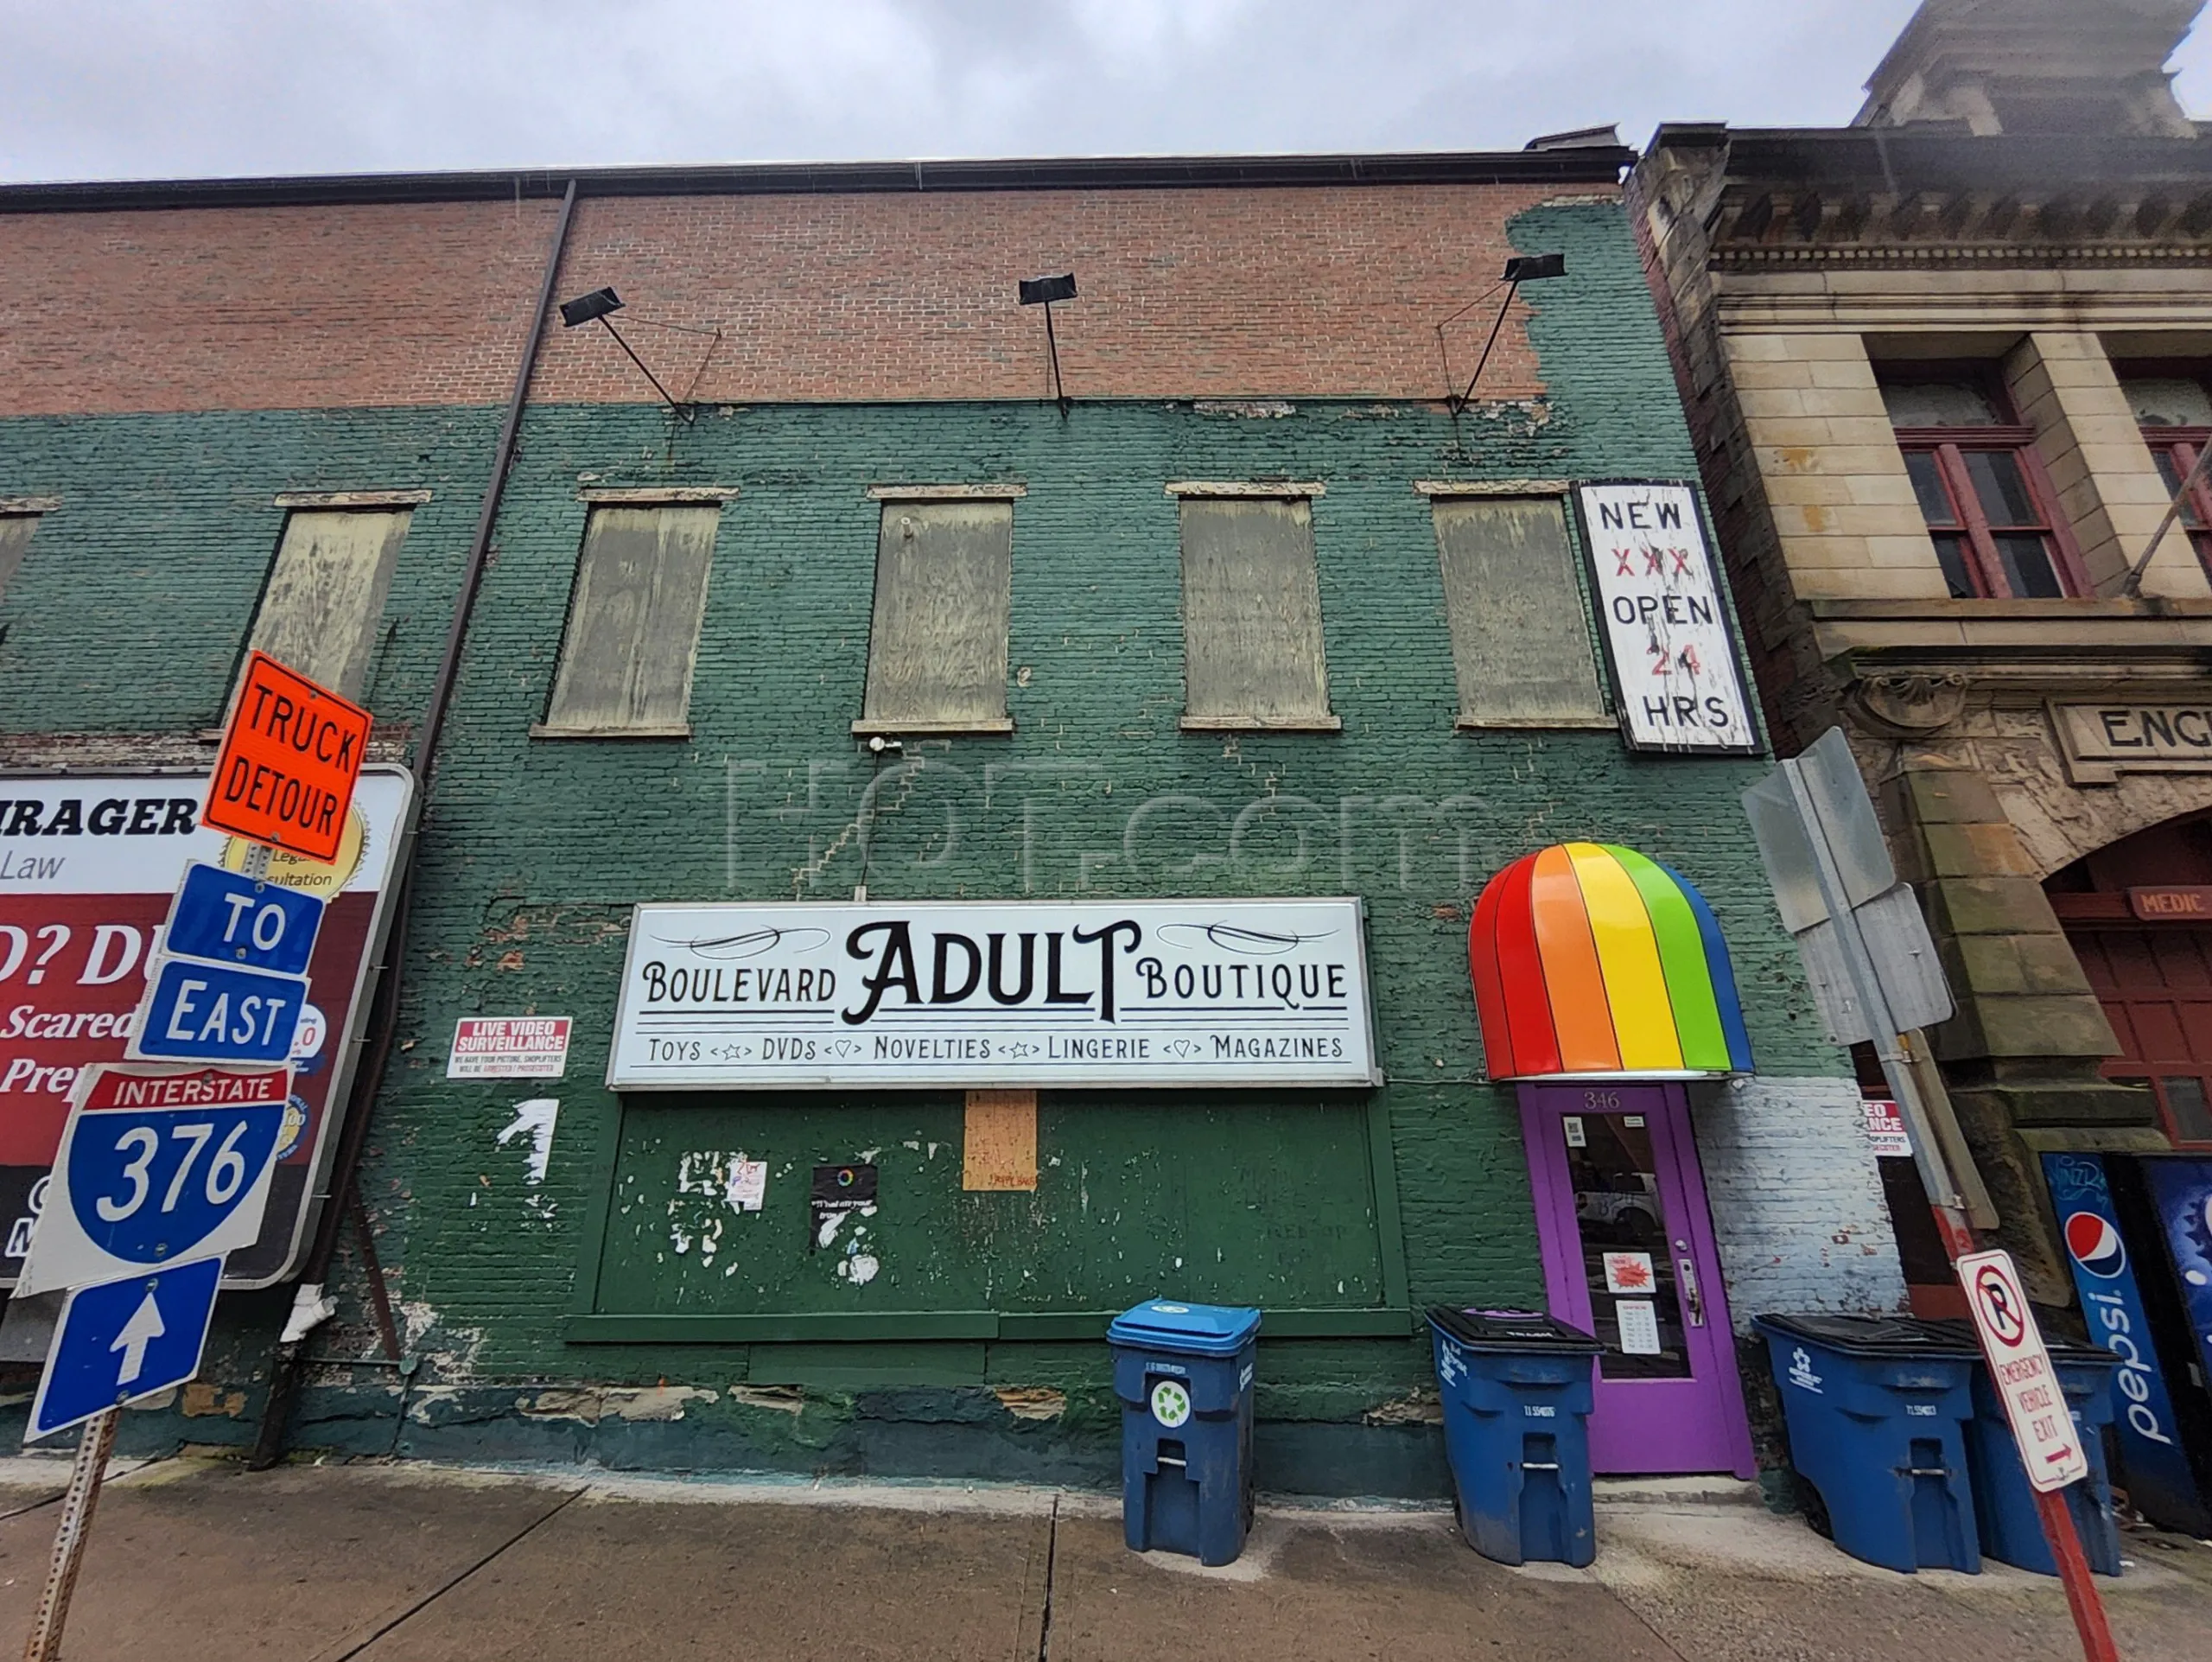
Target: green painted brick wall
column 132, row 606
column 533, row 852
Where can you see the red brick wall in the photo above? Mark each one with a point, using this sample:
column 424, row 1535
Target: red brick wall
column 265, row 308
column 1199, row 293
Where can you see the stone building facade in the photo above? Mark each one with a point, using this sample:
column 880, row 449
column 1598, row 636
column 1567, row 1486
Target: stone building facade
column 1946, row 367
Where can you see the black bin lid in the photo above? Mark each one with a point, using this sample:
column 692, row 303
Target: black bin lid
column 1877, row 1335
column 1512, row 1330
column 2062, row 1350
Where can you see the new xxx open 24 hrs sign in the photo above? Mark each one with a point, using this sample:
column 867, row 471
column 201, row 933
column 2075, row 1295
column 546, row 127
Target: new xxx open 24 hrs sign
column 290, row 757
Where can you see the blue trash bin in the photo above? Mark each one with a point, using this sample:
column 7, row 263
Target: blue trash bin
column 1516, row 1391
column 1876, row 1409
column 1184, row 1374
column 2004, row 1504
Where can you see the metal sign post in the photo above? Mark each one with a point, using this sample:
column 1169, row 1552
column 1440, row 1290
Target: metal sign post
column 1867, row 985
column 77, row 1502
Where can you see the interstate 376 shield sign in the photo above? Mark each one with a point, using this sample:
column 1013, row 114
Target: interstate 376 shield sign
column 89, row 866
column 157, row 1164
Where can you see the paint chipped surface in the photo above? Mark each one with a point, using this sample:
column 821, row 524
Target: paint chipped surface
column 703, row 1204
column 533, row 1120
column 1419, row 1406
column 592, row 1404
column 1032, row 1402
column 781, row 1399
column 204, row 1401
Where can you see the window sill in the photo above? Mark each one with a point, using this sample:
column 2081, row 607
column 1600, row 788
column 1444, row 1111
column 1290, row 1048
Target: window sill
column 980, row 726
column 1261, row 724
column 547, row 730
column 1558, row 723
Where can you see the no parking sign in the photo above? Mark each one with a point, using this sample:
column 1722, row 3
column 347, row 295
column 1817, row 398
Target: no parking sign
column 2020, row 1366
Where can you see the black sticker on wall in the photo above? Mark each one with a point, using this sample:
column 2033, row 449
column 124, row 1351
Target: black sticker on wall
column 836, row 1191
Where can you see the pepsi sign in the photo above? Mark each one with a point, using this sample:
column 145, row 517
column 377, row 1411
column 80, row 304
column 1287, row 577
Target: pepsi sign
column 2159, row 1475
column 2094, row 1243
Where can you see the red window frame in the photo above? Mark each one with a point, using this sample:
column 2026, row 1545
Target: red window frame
column 2176, row 449
column 1985, row 565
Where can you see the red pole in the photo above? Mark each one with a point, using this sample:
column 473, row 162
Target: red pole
column 2082, row 1595
column 2082, row 1599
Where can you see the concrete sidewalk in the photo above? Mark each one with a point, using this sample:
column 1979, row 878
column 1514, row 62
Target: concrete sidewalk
column 202, row 1561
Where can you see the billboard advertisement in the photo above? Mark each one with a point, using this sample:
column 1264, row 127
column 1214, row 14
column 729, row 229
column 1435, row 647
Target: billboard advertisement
column 2156, row 1470
column 89, row 864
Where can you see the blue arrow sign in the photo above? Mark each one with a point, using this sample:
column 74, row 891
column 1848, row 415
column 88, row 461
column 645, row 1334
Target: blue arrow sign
column 236, row 920
column 199, row 1012
column 119, row 1341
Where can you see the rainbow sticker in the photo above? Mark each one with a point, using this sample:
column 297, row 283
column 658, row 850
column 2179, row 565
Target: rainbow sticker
column 1589, row 959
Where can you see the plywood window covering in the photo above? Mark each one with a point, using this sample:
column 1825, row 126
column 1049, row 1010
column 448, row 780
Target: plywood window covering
column 15, row 529
column 1981, row 486
column 2174, row 405
column 1520, row 625
column 1252, row 652
column 937, row 648
column 326, row 593
column 634, row 622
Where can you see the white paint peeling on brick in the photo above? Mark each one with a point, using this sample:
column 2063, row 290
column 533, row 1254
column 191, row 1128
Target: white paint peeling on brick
column 1798, row 1211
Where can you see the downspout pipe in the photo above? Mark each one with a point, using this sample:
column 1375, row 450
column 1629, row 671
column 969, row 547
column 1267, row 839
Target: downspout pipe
column 285, row 1362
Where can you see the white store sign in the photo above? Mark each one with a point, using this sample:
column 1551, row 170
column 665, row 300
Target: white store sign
column 977, row 995
column 1666, row 626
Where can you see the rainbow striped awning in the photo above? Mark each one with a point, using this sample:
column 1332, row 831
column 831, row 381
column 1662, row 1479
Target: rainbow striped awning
column 1592, row 960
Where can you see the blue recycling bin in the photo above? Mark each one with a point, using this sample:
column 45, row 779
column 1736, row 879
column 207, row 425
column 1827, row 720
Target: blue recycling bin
column 2005, row 1504
column 1516, row 1389
column 1877, row 1410
column 1184, row 1374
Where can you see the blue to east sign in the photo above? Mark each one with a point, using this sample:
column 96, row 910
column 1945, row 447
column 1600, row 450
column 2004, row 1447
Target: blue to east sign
column 200, row 1012
column 119, row 1341
column 234, row 919
column 149, row 1185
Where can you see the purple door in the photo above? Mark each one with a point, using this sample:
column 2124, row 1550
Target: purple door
column 1627, row 1255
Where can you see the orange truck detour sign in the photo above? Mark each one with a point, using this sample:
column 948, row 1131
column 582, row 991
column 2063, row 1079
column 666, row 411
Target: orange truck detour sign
column 290, row 757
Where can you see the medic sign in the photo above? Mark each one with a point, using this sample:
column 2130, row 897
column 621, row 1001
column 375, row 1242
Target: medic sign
column 88, row 867
column 289, row 759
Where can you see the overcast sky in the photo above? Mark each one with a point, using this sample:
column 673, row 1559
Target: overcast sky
column 174, row 88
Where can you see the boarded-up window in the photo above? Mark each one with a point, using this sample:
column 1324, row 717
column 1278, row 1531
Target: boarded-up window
column 15, row 531
column 936, row 650
column 326, row 594
column 1520, row 625
column 1251, row 615
column 633, row 624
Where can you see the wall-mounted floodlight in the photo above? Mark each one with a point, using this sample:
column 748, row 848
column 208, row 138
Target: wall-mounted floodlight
column 595, row 308
column 1043, row 291
column 1521, row 268
column 587, row 308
